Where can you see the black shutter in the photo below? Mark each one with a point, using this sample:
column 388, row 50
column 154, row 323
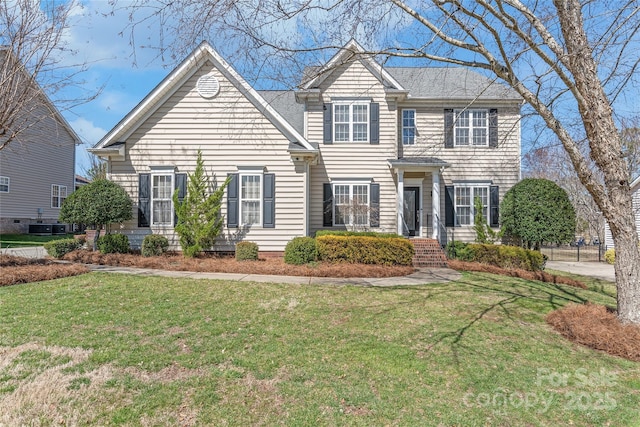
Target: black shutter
column 493, row 127
column 232, row 201
column 494, row 200
column 448, row 128
column 269, row 201
column 144, row 200
column 374, row 206
column 449, row 207
column 327, row 125
column 374, row 123
column 181, row 186
column 327, row 205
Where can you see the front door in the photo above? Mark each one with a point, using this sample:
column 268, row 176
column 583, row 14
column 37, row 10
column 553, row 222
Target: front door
column 411, row 211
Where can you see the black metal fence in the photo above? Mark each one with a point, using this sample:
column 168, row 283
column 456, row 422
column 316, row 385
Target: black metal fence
column 583, row 253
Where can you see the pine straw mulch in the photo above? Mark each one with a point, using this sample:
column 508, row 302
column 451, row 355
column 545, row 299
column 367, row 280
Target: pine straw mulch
column 17, row 270
column 541, row 276
column 220, row 264
column 597, row 327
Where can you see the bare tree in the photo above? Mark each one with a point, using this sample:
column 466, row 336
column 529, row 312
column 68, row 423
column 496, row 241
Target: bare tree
column 32, row 65
column 569, row 60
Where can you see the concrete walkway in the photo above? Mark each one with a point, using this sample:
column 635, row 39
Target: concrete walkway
column 598, row 270
column 28, row 252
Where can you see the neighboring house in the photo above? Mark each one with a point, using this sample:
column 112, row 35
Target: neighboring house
column 81, row 181
column 37, row 169
column 359, row 146
column 635, row 195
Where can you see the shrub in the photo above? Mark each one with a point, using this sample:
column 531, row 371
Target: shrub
column 610, row 256
column 503, row 256
column 365, row 250
column 458, row 250
column 113, row 244
column 59, row 248
column 301, row 250
column 356, row 233
column 246, row 251
column 154, row 245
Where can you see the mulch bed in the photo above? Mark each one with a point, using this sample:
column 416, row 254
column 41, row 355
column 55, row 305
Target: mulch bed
column 596, row 327
column 217, row 264
column 541, row 276
column 16, row 270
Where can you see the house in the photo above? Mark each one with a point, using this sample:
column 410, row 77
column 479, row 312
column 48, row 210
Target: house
column 358, row 146
column 37, row 169
column 635, row 195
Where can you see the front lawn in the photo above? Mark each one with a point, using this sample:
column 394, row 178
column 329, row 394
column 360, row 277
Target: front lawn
column 128, row 350
column 27, row 240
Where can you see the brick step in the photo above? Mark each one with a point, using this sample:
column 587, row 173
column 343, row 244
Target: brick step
column 428, row 253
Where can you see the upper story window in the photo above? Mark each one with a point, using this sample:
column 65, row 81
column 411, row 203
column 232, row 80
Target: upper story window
column 251, row 199
column 161, row 204
column 408, row 127
column 4, row 184
column 351, row 122
column 471, row 127
column 58, row 195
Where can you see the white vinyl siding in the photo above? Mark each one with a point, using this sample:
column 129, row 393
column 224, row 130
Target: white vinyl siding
column 161, row 204
column 4, row 184
column 465, row 197
column 58, row 195
column 471, row 127
column 408, row 127
column 351, row 122
column 351, row 204
column 251, row 199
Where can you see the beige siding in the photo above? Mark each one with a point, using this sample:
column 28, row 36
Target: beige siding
column 231, row 132
column 608, row 237
column 44, row 155
column 354, row 160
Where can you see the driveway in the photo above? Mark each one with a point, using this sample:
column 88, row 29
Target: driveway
column 598, row 270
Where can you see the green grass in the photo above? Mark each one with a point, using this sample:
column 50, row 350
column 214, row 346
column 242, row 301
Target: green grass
column 131, row 350
column 26, row 240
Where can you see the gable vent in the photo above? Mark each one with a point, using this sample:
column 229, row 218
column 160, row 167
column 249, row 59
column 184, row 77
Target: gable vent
column 208, row 86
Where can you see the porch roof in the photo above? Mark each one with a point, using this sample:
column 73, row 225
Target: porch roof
column 417, row 163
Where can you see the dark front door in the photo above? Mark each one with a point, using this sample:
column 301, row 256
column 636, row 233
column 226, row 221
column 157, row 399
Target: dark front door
column 412, row 211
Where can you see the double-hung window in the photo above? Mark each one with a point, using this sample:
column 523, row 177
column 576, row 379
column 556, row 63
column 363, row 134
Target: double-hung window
column 408, row 127
column 351, row 204
column 471, row 127
column 161, row 204
column 251, row 199
column 465, row 201
column 4, row 184
column 351, row 122
column 58, row 195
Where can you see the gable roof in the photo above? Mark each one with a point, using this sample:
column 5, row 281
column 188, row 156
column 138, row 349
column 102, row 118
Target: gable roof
column 167, row 87
column 284, row 102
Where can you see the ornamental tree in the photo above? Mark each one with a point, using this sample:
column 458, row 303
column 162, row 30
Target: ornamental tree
column 536, row 211
column 97, row 204
column 199, row 219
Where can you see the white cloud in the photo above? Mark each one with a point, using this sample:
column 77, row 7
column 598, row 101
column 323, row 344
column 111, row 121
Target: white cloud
column 89, row 133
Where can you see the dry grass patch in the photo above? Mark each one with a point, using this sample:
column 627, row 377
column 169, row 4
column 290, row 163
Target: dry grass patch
column 217, row 264
column 541, row 276
column 17, row 270
column 596, row 327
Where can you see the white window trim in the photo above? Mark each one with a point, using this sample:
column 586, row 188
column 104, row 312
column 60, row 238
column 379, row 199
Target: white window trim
column 351, row 183
column 471, row 186
column 7, row 183
column 402, row 126
column 59, row 195
column 351, row 122
column 251, row 172
column 161, row 172
column 471, row 127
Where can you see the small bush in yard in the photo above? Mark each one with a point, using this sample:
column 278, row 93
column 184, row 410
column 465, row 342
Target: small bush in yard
column 59, row 248
column 365, row 250
column 154, row 245
column 246, row 251
column 504, row 256
column 301, row 250
column 458, row 250
column 113, row 244
column 610, row 256
column 356, row 233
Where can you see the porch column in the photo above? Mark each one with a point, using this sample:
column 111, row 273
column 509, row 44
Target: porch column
column 400, row 200
column 435, row 204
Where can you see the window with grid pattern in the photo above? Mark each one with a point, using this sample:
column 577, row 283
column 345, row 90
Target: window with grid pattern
column 351, row 122
column 471, row 128
column 250, row 199
column 58, row 195
column 408, row 127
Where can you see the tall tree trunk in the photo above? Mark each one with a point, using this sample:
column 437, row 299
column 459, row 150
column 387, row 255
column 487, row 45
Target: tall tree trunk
column 606, row 151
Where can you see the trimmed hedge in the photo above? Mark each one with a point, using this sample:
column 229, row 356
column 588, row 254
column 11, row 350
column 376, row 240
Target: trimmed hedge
column 320, row 233
column 301, row 250
column 365, row 250
column 154, row 245
column 503, row 256
column 59, row 248
column 113, row 244
column 246, row 251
